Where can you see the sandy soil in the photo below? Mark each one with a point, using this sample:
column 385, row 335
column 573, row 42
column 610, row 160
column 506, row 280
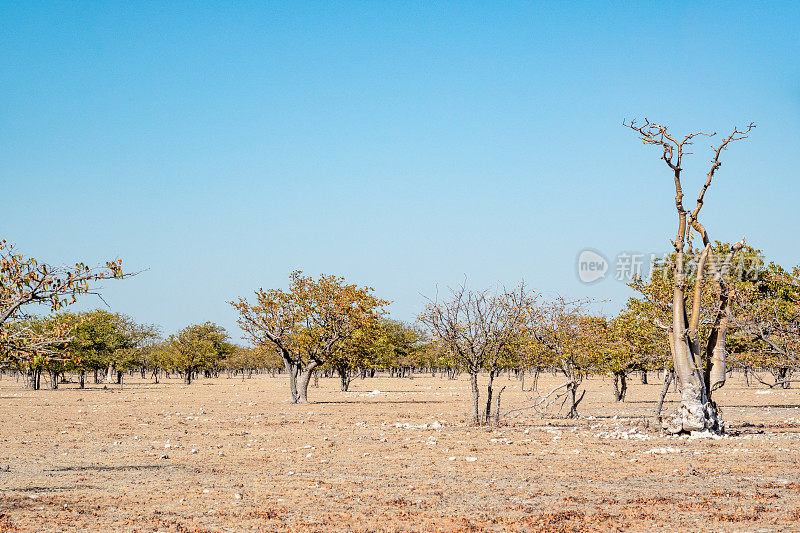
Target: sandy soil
column 390, row 455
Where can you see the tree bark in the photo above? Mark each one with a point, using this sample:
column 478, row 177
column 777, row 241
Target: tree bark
column 293, row 369
column 620, row 386
column 497, row 407
column 344, row 377
column 574, row 399
column 305, row 378
column 476, row 409
column 488, row 415
column 668, row 377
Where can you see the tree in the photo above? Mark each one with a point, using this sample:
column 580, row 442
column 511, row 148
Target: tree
column 398, row 346
column 247, row 359
column 700, row 370
column 563, row 336
column 110, row 341
column 198, row 347
column 478, row 328
column 768, row 323
column 308, row 323
column 25, row 283
column 630, row 342
column 53, row 357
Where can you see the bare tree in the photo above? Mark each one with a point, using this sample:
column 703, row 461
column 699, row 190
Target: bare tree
column 564, row 337
column 479, row 328
column 699, row 370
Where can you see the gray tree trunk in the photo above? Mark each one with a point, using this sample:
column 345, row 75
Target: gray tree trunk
column 476, row 408
column 293, row 370
column 305, row 378
column 668, row 377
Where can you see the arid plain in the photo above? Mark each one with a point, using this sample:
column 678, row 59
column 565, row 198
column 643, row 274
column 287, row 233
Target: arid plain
column 389, row 455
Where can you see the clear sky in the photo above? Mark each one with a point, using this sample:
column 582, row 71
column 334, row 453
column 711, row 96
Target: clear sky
column 400, row 145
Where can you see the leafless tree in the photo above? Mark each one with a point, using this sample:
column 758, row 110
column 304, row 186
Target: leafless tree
column 479, row 329
column 699, row 370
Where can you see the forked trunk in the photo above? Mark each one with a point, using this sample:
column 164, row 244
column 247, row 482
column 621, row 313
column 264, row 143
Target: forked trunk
column 573, row 398
column 305, row 378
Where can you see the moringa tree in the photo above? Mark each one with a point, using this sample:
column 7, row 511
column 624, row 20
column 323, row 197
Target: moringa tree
column 700, row 366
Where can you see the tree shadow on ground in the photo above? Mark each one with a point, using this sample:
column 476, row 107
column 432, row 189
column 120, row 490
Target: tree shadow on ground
column 361, row 401
column 104, row 468
column 40, row 488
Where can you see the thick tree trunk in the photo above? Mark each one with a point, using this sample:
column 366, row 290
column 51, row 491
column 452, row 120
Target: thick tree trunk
column 83, row 379
column 305, row 378
column 696, row 412
column 293, row 370
column 644, row 377
column 620, row 386
column 187, row 376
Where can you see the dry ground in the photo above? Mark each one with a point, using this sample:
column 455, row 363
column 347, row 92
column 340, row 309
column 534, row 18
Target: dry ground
column 391, row 455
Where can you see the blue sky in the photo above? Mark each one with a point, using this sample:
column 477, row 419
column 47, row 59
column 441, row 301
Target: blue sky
column 400, row 145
